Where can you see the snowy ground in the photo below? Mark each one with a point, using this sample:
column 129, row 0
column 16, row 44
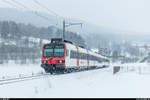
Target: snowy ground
column 90, row 84
column 13, row 70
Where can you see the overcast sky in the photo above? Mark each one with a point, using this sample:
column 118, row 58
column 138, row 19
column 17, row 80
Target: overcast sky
column 118, row 14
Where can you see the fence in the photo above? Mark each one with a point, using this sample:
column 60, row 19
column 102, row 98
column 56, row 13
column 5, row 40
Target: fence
column 144, row 70
column 137, row 68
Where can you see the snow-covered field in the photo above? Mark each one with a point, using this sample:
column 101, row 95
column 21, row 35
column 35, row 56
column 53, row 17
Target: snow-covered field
column 13, row 70
column 88, row 84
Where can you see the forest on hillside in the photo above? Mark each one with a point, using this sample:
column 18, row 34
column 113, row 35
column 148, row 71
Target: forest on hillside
column 23, row 43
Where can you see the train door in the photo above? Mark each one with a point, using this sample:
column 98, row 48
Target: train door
column 88, row 60
column 78, row 57
column 68, row 58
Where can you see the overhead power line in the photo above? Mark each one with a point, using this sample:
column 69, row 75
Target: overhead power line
column 20, row 4
column 23, row 6
column 42, row 16
column 13, row 5
column 17, row 4
column 50, row 11
column 35, row 12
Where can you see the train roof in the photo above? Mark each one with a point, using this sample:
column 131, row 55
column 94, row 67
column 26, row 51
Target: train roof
column 60, row 40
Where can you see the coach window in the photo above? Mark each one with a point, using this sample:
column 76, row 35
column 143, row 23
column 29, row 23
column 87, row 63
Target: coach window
column 71, row 54
column 81, row 56
column 67, row 52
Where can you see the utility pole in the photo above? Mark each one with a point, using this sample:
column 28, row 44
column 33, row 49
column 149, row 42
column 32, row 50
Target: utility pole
column 68, row 25
column 64, row 29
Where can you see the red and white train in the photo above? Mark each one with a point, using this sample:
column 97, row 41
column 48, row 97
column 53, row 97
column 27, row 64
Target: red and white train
column 64, row 56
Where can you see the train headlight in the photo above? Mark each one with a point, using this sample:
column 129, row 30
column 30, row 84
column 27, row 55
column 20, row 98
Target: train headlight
column 60, row 61
column 45, row 62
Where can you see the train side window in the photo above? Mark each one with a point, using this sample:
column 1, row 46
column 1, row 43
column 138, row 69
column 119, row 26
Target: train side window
column 100, row 60
column 71, row 54
column 90, row 57
column 85, row 56
column 80, row 55
column 74, row 55
column 67, row 52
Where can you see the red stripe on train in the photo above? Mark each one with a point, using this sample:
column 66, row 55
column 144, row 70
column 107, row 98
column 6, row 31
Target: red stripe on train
column 65, row 47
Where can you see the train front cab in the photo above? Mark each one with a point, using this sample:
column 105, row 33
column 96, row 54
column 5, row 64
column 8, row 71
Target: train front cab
column 53, row 57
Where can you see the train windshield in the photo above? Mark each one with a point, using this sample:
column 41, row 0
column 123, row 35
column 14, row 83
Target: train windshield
column 54, row 51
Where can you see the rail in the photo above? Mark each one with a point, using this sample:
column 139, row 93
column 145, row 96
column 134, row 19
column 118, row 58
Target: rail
column 21, row 78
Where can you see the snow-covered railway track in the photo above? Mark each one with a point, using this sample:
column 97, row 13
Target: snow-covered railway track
column 22, row 78
column 36, row 76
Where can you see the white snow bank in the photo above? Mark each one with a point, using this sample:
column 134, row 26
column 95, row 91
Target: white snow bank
column 99, row 84
column 14, row 70
column 89, row 84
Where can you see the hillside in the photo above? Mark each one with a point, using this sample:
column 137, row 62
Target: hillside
column 93, row 36
column 20, row 42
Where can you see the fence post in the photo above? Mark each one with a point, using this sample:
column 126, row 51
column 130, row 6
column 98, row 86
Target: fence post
column 116, row 69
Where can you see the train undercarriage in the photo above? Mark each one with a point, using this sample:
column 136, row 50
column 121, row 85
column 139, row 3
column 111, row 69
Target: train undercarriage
column 58, row 69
